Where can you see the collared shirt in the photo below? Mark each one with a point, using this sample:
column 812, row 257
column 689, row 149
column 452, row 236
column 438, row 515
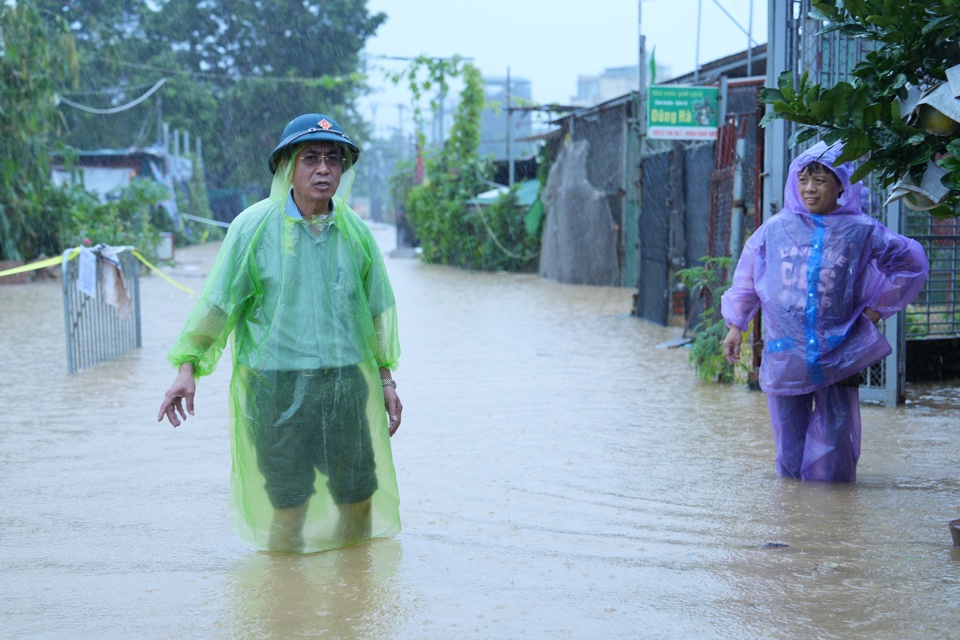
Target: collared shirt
column 292, row 210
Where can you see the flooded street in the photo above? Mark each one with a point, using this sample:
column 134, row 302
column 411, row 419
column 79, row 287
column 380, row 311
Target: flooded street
column 560, row 477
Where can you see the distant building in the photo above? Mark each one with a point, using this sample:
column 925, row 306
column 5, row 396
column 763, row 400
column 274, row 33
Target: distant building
column 749, row 63
column 104, row 172
column 493, row 120
column 612, row 83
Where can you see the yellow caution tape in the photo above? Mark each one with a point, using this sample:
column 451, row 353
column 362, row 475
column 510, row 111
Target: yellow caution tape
column 33, row 266
column 162, row 274
column 50, row 262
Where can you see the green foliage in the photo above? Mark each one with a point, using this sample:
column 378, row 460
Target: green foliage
column 35, row 56
column 916, row 325
column 402, row 180
column 504, row 243
column 450, row 231
column 916, row 41
column 436, row 208
column 428, row 74
column 196, row 202
column 125, row 219
column 709, row 281
column 237, row 72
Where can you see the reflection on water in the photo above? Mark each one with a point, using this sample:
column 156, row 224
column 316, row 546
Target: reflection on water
column 346, row 593
column 560, row 477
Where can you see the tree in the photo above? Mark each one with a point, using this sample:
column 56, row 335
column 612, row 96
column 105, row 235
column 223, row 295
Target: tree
column 916, row 43
column 36, row 55
column 237, row 72
column 449, row 231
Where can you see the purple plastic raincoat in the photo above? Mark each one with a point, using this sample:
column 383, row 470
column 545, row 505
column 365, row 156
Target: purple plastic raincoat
column 813, row 276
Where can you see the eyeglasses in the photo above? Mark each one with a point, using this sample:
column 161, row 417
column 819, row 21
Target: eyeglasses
column 313, row 160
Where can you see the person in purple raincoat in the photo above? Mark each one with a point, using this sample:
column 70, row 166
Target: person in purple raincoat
column 824, row 274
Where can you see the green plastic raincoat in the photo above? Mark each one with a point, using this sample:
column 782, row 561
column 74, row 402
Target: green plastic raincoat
column 313, row 318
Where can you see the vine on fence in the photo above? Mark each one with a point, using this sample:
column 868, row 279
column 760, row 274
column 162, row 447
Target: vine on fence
column 450, row 231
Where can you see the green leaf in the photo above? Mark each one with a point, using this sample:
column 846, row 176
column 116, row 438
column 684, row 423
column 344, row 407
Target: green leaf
column 858, row 108
column 935, row 24
column 828, row 7
column 768, row 95
column 945, row 211
column 819, row 14
column 854, row 30
column 949, row 163
column 885, row 137
column 801, row 135
column 855, row 8
column 821, row 109
column 861, row 172
column 923, row 156
column 785, row 82
column 854, row 148
column 832, row 136
column 769, row 117
column 871, row 114
column 830, row 28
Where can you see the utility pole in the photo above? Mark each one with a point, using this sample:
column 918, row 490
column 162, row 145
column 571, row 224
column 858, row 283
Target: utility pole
column 642, row 89
column 641, row 128
column 401, row 139
column 696, row 62
column 443, row 94
column 159, row 119
column 509, row 133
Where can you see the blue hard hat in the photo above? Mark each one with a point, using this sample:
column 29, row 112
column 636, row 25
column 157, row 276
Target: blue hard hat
column 308, row 127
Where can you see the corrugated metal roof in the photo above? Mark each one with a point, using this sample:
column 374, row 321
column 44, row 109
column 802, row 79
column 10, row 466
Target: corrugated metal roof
column 526, row 194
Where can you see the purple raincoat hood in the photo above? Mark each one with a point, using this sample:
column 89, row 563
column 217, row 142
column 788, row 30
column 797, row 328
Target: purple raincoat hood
column 850, row 198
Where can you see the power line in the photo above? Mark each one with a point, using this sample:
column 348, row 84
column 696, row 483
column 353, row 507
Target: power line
column 222, row 76
column 124, row 107
column 734, row 21
column 110, row 90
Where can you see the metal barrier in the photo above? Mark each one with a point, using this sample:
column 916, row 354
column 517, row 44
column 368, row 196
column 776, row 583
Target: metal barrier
column 936, row 313
column 93, row 329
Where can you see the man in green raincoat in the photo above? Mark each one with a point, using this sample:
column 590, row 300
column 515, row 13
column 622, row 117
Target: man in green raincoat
column 300, row 283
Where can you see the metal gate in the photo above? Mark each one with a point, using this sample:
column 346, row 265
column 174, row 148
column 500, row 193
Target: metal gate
column 94, row 330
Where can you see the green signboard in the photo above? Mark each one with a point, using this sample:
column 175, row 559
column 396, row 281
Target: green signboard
column 682, row 113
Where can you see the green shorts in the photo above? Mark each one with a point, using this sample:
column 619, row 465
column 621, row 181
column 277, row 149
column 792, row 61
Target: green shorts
column 308, row 421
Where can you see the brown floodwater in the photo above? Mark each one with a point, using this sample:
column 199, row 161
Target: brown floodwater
column 560, row 477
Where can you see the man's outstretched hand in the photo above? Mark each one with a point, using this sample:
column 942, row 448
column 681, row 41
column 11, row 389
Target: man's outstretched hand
column 180, row 393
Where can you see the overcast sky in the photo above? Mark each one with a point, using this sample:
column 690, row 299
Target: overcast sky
column 551, row 42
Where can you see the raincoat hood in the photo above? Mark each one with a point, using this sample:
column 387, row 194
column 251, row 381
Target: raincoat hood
column 849, row 201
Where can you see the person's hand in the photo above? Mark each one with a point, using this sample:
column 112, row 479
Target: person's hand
column 874, row 316
column 731, row 345
column 180, row 392
column 391, row 402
